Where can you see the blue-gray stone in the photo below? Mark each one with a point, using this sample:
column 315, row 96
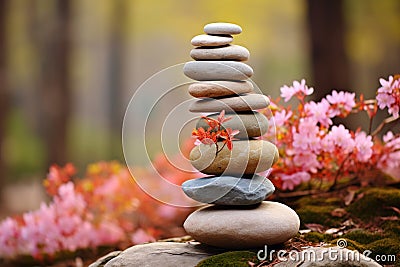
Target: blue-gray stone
column 229, row 190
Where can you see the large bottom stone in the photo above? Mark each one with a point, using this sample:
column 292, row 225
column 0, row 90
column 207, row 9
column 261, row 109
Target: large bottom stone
column 166, row 254
column 228, row 190
column 241, row 227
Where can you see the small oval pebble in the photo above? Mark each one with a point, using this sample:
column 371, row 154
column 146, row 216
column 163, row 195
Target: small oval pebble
column 239, row 227
column 222, row 28
column 249, row 125
column 238, row 103
column 230, row 52
column 217, row 70
column 220, row 88
column 211, row 40
column 246, row 157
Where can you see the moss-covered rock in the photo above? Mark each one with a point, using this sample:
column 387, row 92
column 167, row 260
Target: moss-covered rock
column 386, row 247
column 317, row 237
column 362, row 236
column 318, row 214
column 350, row 244
column 376, row 202
column 230, row 259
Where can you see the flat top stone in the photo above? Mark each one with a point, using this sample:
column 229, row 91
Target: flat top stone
column 229, row 52
column 222, row 28
column 211, row 40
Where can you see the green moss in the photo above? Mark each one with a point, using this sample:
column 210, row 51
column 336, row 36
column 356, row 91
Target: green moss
column 230, row 259
column 386, row 246
column 392, row 228
column 317, row 237
column 318, row 214
column 363, row 236
column 351, row 244
column 376, row 202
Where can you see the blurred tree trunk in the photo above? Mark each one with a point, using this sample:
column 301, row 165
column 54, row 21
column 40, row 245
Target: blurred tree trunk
column 4, row 93
column 330, row 66
column 116, row 78
column 54, row 50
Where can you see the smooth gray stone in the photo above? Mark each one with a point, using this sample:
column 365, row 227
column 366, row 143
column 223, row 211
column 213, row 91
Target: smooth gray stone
column 228, row 190
column 222, row 28
column 217, row 70
column 241, row 227
column 166, row 254
column 208, row 89
column 246, row 102
column 229, row 52
column 211, row 40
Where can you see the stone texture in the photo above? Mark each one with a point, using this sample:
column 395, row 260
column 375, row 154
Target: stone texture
column 222, row 28
column 217, row 70
column 166, row 254
column 320, row 257
column 246, row 157
column 249, row 125
column 220, row 88
column 246, row 102
column 240, row 227
column 229, row 52
column 211, row 40
column 228, row 190
column 103, row 260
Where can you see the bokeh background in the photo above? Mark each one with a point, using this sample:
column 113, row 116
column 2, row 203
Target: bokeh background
column 68, row 68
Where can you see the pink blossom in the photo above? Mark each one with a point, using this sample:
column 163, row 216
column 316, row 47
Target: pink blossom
column 307, row 138
column 308, row 161
column 319, row 112
column 287, row 92
column 140, row 236
column 386, row 86
column 341, row 137
column 388, row 136
column 342, row 101
column 363, row 144
column 389, row 95
column 281, row 117
column 292, row 180
column 385, row 100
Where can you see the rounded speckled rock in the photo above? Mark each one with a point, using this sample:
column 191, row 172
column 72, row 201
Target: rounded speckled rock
column 229, row 190
column 222, row 28
column 238, row 103
column 240, row 227
column 217, row 70
column 208, row 89
column 246, row 157
column 249, row 125
column 211, row 40
column 229, row 52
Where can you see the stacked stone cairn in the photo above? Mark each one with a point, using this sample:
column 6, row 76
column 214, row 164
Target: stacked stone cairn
column 237, row 217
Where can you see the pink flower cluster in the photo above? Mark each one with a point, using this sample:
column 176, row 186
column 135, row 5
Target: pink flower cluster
column 64, row 224
column 104, row 208
column 311, row 147
column 388, row 95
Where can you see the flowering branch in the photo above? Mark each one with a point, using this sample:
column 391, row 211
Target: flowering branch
column 311, row 147
column 215, row 133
